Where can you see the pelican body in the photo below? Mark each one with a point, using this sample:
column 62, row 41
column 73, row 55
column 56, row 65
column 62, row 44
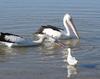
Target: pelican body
column 58, row 33
column 11, row 40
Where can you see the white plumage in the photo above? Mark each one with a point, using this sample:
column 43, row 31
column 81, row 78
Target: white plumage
column 13, row 38
column 70, row 59
column 10, row 40
column 52, row 33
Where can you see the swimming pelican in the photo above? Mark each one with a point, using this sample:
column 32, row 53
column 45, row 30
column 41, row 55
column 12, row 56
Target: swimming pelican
column 11, row 40
column 56, row 32
column 70, row 59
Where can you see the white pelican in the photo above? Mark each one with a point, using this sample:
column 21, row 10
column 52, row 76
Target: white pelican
column 70, row 59
column 58, row 33
column 10, row 40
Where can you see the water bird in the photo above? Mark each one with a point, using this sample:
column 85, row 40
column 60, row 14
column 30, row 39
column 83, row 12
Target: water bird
column 11, row 40
column 57, row 32
column 70, row 59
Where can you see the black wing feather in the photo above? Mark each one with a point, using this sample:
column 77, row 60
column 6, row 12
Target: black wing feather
column 53, row 27
column 3, row 35
column 40, row 30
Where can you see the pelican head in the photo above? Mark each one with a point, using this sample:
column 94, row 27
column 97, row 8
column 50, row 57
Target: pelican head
column 68, row 23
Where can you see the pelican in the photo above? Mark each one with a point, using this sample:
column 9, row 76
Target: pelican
column 11, row 40
column 58, row 33
column 70, row 59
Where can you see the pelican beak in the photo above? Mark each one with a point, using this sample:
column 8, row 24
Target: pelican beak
column 71, row 24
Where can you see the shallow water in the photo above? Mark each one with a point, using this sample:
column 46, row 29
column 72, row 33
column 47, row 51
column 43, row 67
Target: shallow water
column 23, row 17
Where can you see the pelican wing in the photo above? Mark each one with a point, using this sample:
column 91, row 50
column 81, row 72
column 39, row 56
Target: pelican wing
column 53, row 27
column 42, row 28
column 12, row 38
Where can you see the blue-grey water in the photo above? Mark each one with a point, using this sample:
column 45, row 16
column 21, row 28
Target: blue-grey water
column 24, row 17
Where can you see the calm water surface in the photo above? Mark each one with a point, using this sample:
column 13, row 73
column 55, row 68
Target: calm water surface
column 23, row 17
